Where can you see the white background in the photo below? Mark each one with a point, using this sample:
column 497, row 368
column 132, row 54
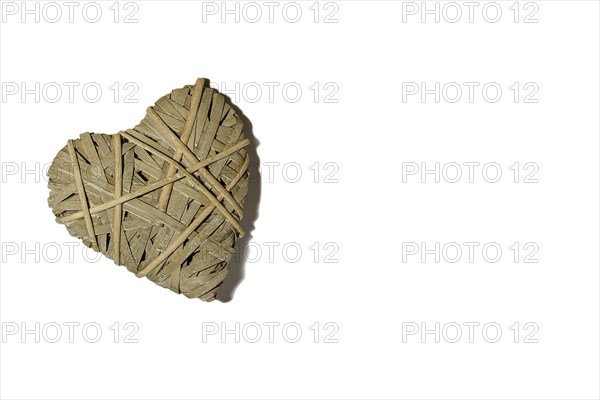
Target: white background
column 370, row 296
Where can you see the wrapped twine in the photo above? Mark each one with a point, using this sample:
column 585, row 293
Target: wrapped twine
column 164, row 198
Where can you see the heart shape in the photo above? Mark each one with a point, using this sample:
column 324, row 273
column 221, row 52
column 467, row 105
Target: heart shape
column 164, row 198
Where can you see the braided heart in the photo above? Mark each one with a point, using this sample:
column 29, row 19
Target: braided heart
column 165, row 198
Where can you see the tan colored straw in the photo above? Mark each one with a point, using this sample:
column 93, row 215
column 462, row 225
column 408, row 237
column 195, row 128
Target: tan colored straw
column 165, row 198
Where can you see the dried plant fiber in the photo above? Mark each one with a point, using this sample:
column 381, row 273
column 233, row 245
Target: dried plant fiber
column 164, row 199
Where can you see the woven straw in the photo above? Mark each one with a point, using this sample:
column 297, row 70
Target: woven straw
column 164, row 198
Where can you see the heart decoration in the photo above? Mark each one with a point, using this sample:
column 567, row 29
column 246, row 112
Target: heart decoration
column 165, row 198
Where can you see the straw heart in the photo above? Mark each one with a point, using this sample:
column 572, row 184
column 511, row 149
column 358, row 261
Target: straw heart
column 165, row 198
